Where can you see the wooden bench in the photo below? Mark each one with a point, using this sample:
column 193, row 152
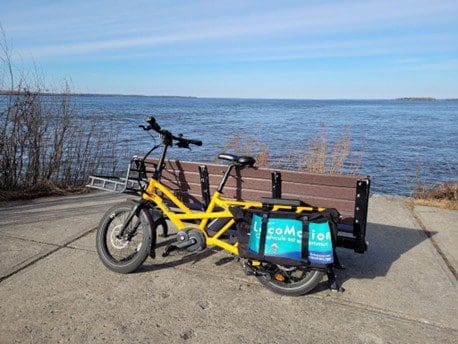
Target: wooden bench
column 194, row 182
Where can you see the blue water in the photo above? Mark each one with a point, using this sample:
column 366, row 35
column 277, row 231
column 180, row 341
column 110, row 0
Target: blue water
column 394, row 137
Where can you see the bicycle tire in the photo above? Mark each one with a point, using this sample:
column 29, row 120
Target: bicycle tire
column 299, row 287
column 109, row 246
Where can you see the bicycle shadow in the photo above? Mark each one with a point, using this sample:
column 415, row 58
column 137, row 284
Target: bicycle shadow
column 176, row 258
column 386, row 246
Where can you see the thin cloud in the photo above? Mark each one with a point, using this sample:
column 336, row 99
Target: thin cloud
column 311, row 20
column 249, row 47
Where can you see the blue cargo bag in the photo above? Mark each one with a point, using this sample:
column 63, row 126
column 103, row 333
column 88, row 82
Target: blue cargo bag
column 286, row 237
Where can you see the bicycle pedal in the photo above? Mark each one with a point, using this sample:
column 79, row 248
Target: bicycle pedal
column 168, row 250
column 248, row 270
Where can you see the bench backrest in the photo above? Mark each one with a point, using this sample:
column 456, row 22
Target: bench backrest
column 323, row 190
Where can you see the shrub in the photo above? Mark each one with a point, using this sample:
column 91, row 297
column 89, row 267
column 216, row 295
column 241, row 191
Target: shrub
column 442, row 191
column 44, row 140
column 424, row 192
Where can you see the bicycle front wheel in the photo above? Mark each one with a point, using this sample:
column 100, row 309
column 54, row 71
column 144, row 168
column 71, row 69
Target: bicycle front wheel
column 120, row 254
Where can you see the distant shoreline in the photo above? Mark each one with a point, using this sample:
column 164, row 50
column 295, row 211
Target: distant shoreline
column 417, row 99
column 7, row 92
column 16, row 93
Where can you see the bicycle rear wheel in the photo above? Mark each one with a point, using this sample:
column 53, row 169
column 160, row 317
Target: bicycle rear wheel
column 119, row 254
column 291, row 281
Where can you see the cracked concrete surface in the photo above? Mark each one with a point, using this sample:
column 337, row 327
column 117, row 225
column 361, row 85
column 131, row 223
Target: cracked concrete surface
column 54, row 288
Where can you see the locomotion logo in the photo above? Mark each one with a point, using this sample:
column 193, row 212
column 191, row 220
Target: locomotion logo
column 278, row 229
column 284, row 239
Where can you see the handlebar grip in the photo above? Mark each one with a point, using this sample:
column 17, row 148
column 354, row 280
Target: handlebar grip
column 195, row 142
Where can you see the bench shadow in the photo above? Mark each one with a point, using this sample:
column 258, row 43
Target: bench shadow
column 386, row 245
column 181, row 187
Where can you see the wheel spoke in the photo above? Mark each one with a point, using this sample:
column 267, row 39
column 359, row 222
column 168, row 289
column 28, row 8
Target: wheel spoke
column 120, row 249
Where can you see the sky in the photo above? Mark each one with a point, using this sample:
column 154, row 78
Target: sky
column 240, row 49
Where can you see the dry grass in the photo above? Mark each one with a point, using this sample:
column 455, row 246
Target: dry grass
column 41, row 190
column 447, row 191
column 320, row 154
column 251, row 145
column 444, row 195
column 424, row 192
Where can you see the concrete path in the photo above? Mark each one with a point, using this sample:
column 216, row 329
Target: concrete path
column 53, row 287
column 442, row 226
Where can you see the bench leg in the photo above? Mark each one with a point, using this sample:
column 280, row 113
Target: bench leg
column 332, row 281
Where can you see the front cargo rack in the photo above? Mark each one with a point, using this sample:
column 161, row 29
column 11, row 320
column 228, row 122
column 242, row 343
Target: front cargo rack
column 135, row 181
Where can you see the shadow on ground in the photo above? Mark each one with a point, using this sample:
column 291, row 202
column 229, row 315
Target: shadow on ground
column 386, row 245
column 176, row 258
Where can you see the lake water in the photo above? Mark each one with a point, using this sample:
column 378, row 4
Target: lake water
column 393, row 136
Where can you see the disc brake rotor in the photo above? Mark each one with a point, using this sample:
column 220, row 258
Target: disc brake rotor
column 286, row 268
column 118, row 244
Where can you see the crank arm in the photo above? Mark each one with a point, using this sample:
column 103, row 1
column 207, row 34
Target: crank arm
column 178, row 246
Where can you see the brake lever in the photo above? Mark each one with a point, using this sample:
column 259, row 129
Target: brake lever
column 153, row 124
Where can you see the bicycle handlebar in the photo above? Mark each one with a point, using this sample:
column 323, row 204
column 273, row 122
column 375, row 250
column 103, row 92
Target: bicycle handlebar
column 167, row 136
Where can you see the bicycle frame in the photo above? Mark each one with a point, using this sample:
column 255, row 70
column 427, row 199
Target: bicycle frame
column 212, row 212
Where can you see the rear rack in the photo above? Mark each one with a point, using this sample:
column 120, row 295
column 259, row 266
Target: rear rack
column 135, row 181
